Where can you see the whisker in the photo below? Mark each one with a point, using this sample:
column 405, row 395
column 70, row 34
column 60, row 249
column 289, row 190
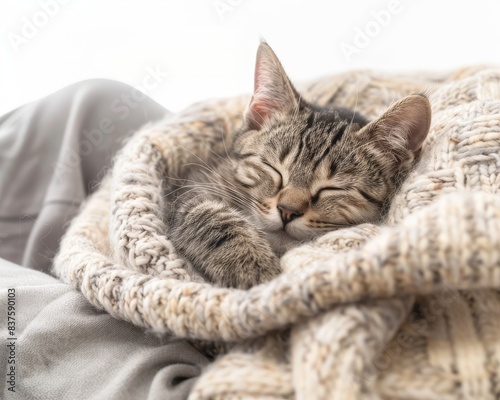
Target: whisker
column 224, row 141
column 222, row 191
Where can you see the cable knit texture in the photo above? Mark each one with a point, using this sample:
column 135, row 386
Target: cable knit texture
column 405, row 310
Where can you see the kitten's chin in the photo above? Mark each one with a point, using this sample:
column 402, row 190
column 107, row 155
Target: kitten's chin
column 281, row 242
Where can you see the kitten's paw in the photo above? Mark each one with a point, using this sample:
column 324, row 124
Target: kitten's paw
column 259, row 269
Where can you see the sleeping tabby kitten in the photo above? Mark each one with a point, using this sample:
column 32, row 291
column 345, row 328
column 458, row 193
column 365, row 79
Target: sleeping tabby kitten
column 293, row 172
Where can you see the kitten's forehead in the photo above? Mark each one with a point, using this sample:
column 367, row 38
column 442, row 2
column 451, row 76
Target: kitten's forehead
column 316, row 126
column 310, row 125
column 316, row 138
column 337, row 114
column 303, row 143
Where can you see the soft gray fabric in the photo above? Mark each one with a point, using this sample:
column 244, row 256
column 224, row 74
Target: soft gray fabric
column 53, row 152
column 66, row 349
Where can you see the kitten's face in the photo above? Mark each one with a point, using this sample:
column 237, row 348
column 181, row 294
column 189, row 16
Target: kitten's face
column 306, row 170
column 309, row 173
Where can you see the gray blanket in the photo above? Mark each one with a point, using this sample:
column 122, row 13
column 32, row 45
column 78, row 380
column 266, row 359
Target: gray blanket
column 52, row 154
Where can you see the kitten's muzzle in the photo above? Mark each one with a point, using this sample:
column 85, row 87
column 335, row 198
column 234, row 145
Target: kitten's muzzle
column 292, row 204
column 288, row 214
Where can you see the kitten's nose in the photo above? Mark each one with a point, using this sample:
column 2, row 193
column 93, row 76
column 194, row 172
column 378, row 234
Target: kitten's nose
column 288, row 213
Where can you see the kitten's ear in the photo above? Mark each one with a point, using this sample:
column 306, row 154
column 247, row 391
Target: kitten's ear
column 273, row 91
column 404, row 126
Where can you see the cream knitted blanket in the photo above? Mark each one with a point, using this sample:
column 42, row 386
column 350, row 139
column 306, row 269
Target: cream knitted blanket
column 407, row 310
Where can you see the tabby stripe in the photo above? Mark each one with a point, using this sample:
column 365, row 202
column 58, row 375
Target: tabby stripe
column 339, row 134
column 328, row 149
column 370, row 198
column 284, row 152
column 219, row 241
column 321, row 158
column 310, row 121
column 299, row 150
column 246, row 155
column 226, row 224
column 333, row 168
column 303, row 135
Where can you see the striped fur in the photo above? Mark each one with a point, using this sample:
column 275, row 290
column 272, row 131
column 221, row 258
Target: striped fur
column 295, row 171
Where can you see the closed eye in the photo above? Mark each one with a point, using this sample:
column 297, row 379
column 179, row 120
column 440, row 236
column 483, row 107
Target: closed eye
column 315, row 198
column 370, row 198
column 280, row 186
column 364, row 194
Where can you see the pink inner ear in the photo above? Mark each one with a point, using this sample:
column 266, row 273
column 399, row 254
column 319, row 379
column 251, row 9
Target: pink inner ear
column 263, row 102
column 260, row 108
column 260, row 105
column 253, row 115
column 272, row 89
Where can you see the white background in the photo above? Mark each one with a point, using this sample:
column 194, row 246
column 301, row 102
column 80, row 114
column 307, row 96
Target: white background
column 211, row 54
